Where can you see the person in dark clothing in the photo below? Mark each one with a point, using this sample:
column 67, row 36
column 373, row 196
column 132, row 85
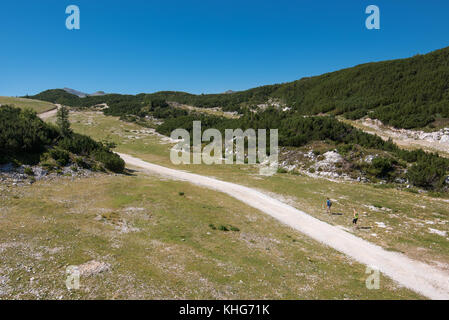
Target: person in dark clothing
column 328, row 205
column 356, row 218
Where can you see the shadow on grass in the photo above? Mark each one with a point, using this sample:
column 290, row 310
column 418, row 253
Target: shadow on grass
column 130, row 172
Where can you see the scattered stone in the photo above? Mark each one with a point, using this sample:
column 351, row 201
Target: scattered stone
column 369, row 158
column 438, row 232
column 381, row 224
column 15, row 176
column 93, row 267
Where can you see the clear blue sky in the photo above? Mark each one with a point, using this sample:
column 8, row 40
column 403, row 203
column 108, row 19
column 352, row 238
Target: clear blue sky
column 203, row 46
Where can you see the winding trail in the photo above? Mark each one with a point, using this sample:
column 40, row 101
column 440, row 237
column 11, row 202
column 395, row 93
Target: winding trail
column 48, row 114
column 417, row 276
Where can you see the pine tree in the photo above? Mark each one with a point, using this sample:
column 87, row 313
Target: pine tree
column 62, row 120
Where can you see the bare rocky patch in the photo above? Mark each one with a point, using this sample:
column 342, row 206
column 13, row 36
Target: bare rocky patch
column 26, row 175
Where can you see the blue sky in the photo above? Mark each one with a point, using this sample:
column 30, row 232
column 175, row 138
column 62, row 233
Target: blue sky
column 203, row 46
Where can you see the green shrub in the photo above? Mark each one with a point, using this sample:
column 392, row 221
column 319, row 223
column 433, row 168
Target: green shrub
column 28, row 171
column 427, row 175
column 110, row 160
column 49, row 165
column 344, row 149
column 22, row 131
column 79, row 144
column 61, row 156
column 98, row 167
column 81, row 163
column 212, row 227
column 381, row 167
column 281, row 170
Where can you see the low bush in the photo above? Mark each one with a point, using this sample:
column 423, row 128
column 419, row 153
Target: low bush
column 79, row 144
column 81, row 163
column 281, row 170
column 427, row 175
column 110, row 160
column 22, row 131
column 62, row 157
column 381, row 167
column 28, row 171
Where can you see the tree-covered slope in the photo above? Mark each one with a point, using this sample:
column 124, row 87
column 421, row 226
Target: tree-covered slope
column 406, row 93
column 424, row 170
column 25, row 138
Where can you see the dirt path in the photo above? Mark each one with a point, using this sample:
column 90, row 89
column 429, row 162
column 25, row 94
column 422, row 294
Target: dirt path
column 417, row 276
column 48, row 114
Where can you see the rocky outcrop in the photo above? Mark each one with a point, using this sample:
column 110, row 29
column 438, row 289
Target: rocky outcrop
column 440, row 136
column 24, row 174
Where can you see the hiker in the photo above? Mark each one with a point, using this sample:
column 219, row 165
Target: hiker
column 356, row 217
column 328, row 205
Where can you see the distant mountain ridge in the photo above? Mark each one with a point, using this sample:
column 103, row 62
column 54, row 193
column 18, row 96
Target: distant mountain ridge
column 82, row 94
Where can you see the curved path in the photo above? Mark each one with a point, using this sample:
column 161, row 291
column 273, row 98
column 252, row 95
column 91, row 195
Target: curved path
column 48, row 114
column 417, row 276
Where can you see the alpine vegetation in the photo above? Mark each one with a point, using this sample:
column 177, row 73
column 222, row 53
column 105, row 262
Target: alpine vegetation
column 234, row 147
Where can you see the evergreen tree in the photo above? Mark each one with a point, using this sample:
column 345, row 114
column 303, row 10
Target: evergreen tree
column 62, row 120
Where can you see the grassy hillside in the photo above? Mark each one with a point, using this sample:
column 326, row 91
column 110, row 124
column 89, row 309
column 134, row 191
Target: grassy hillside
column 162, row 239
column 406, row 93
column 158, row 244
column 422, row 169
column 395, row 219
column 36, row 105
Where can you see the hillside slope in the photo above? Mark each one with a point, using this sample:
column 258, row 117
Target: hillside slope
column 416, row 87
column 406, row 93
column 36, row 105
